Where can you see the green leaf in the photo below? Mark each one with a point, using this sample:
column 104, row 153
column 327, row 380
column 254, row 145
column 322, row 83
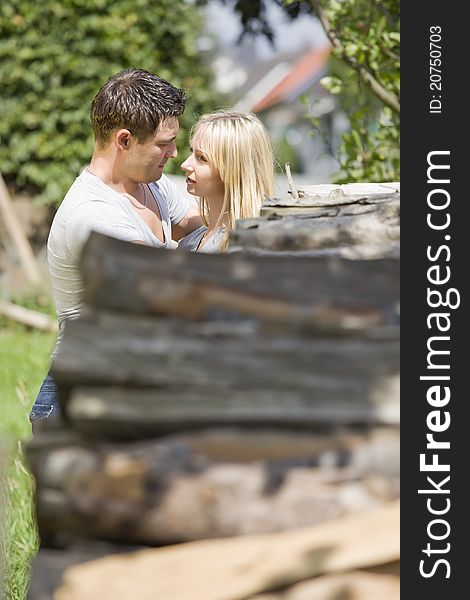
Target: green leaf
column 56, row 54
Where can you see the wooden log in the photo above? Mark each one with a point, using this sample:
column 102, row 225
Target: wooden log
column 131, row 501
column 370, row 448
column 235, row 569
column 14, row 229
column 332, row 204
column 29, row 317
column 142, row 375
column 353, row 585
column 119, row 412
column 349, row 226
column 322, row 290
column 164, row 492
column 333, row 191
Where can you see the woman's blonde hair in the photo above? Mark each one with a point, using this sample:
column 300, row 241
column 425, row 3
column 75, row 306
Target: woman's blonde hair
column 238, row 146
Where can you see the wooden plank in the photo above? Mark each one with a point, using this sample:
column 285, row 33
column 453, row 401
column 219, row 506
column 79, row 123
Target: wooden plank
column 333, row 200
column 134, row 412
column 14, row 229
column 334, row 190
column 237, row 568
column 182, row 487
column 159, row 494
column 28, row 317
column 155, row 352
column 174, row 372
column 148, row 492
column 352, row 585
column 195, row 285
column 353, row 230
column 369, row 448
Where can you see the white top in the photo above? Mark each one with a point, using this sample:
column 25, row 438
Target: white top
column 91, row 205
column 192, row 240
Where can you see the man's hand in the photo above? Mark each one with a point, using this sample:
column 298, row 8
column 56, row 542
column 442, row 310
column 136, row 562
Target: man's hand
column 189, row 223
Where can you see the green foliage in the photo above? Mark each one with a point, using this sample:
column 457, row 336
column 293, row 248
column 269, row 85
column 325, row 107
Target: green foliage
column 369, row 31
column 19, row 538
column 370, row 151
column 55, row 55
column 285, row 153
column 24, row 361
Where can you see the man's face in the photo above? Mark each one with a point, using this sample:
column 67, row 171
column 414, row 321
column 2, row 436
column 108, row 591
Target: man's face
column 145, row 162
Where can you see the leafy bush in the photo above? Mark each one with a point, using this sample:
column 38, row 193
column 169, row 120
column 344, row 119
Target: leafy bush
column 370, row 36
column 365, row 75
column 56, row 54
column 370, row 149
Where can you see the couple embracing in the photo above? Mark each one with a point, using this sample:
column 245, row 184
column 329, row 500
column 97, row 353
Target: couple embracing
column 124, row 194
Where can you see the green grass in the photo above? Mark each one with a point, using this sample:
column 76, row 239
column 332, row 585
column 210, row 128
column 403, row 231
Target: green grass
column 24, row 361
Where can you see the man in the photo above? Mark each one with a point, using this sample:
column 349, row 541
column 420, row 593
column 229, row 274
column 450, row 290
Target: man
column 122, row 193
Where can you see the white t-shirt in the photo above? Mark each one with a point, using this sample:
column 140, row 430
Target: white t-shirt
column 91, row 205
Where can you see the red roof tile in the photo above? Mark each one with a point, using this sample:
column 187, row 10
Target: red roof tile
column 304, row 70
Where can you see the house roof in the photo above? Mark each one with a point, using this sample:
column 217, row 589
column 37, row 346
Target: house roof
column 304, row 72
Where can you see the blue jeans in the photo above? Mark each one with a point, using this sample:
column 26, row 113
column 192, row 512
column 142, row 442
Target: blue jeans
column 47, row 401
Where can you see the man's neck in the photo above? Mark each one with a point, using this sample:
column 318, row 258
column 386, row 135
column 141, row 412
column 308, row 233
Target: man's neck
column 106, row 168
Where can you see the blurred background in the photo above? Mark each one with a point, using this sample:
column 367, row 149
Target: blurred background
column 322, row 76
column 271, row 57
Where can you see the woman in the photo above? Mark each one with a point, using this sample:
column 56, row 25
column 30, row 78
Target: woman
column 231, row 170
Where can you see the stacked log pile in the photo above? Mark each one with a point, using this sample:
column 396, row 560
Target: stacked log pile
column 353, row 221
column 217, row 396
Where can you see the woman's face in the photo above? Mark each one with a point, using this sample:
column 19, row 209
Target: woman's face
column 202, row 178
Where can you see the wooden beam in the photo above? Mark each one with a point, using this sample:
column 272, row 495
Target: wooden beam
column 323, row 290
column 163, row 374
column 29, row 317
column 237, row 568
column 165, row 492
column 14, row 229
column 351, row 226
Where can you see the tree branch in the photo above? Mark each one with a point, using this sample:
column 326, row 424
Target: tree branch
column 386, row 96
column 390, row 20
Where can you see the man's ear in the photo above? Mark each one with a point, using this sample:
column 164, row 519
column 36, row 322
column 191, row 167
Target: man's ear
column 123, row 139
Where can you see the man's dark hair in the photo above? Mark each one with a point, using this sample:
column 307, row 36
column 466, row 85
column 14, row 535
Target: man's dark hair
column 137, row 100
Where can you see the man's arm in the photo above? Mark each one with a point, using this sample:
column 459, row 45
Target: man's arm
column 191, row 221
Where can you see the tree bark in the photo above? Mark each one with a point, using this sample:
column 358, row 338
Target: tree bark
column 354, row 227
column 155, row 375
column 323, row 291
column 164, row 492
